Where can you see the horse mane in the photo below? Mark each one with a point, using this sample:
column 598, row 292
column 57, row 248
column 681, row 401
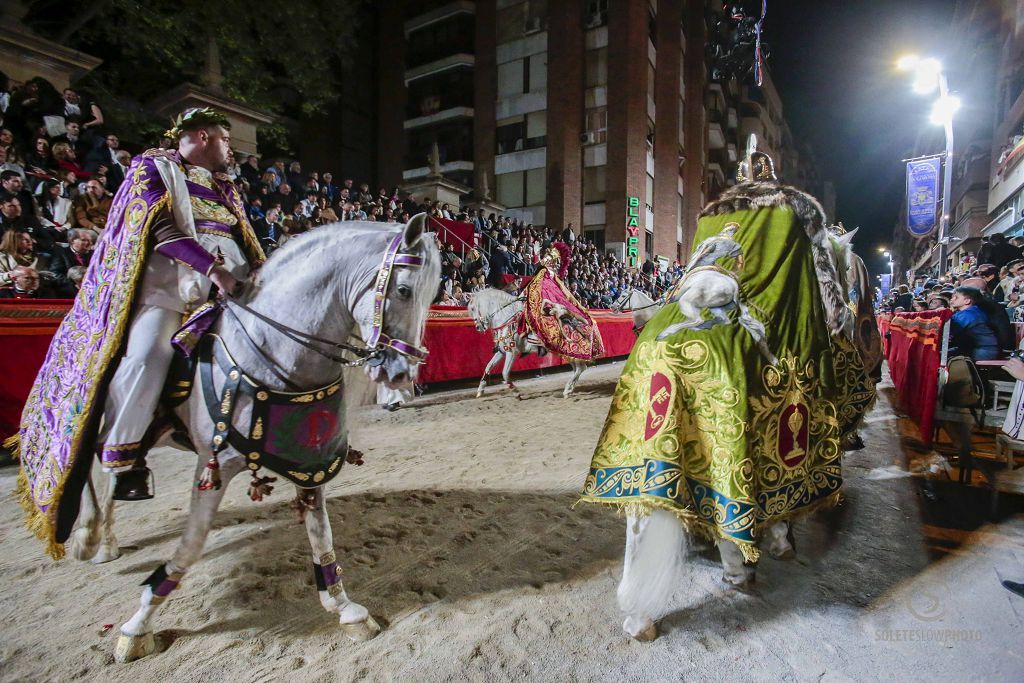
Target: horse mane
column 490, row 296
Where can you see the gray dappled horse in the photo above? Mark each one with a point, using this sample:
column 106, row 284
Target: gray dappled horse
column 358, row 279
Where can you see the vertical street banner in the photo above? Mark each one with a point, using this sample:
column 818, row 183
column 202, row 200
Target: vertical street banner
column 923, row 176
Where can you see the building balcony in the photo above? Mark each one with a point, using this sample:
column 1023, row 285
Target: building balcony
column 716, row 137
column 970, row 224
column 446, row 63
column 716, row 169
column 452, row 114
column 1000, row 224
column 439, row 14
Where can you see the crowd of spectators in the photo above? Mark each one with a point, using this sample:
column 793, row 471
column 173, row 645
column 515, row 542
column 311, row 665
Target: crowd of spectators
column 985, row 297
column 60, row 166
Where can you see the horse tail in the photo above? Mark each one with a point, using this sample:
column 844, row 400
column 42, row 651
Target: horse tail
column 653, row 564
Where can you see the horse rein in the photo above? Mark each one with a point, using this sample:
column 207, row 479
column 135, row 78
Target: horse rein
column 378, row 342
column 490, row 316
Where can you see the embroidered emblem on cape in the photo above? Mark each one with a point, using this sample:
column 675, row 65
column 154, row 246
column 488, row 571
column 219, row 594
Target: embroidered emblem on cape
column 661, row 401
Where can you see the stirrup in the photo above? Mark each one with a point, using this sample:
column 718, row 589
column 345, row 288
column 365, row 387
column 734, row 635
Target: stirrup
column 134, row 484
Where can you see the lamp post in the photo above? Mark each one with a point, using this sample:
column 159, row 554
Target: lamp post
column 928, row 75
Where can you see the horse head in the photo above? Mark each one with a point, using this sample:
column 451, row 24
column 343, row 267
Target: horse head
column 391, row 313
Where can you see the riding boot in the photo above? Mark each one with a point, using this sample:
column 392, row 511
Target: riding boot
column 133, row 484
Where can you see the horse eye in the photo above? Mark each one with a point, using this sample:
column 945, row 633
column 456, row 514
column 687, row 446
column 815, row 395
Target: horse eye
column 405, row 291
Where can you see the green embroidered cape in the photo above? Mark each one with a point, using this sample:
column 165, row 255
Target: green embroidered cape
column 703, row 425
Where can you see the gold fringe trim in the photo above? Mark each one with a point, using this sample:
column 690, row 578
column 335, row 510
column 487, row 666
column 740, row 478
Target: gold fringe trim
column 697, row 526
column 13, row 444
column 36, row 521
column 46, row 531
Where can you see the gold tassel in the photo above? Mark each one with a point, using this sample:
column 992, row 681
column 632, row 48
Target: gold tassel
column 13, row 444
column 210, row 478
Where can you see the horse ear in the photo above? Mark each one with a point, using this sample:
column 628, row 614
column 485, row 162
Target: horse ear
column 414, row 230
column 847, row 238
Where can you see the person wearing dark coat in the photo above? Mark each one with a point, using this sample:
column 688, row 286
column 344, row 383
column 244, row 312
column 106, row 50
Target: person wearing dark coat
column 1000, row 252
column 77, row 253
column 501, row 264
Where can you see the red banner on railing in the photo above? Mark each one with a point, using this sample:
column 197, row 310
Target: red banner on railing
column 455, row 233
column 914, row 349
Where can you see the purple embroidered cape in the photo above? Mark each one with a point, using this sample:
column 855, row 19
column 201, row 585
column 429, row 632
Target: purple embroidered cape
column 63, row 411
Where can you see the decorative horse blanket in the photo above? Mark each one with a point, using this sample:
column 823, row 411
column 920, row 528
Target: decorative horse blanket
column 702, row 425
column 563, row 325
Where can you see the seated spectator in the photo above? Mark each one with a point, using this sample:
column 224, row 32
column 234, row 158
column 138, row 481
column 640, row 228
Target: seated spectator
column 11, row 166
column 476, row 264
column 17, row 250
column 55, row 211
column 25, row 283
column 67, row 160
column 990, row 274
column 91, row 209
column 75, row 277
column 307, row 205
column 13, row 183
column 12, row 219
column 971, row 334
column 998, row 319
column 78, row 253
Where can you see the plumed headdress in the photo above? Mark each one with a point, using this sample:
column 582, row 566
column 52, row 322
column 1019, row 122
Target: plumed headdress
column 557, row 256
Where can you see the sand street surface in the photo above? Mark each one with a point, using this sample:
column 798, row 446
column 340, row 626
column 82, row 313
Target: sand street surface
column 458, row 535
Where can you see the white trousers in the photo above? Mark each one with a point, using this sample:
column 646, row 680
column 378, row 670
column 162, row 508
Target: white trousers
column 135, row 388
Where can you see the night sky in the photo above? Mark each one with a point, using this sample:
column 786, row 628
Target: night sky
column 834, row 66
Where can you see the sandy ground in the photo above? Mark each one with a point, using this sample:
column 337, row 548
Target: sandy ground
column 458, row 535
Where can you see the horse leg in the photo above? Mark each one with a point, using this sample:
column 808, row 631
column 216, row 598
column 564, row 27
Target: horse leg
column 487, row 371
column 355, row 620
column 94, row 538
column 136, row 639
column 650, row 572
column 777, row 537
column 736, row 574
column 510, row 359
column 578, row 367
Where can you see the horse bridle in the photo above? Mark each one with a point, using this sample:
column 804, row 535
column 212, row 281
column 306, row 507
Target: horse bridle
column 377, row 343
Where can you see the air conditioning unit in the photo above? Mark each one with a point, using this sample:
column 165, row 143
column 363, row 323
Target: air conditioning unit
column 588, row 138
column 532, row 25
column 594, row 20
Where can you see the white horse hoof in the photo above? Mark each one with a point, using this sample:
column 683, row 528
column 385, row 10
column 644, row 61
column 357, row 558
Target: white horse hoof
column 642, row 630
column 130, row 648
column 106, row 553
column 82, row 547
column 361, row 631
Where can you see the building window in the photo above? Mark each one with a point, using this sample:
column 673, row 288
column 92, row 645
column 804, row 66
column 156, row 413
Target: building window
column 649, row 245
column 511, row 79
column 511, row 20
column 510, row 135
column 510, row 189
column 650, row 193
column 536, row 129
column 595, row 233
column 597, row 124
column 536, row 15
column 536, row 73
column 652, row 27
column 594, row 184
column 596, row 14
column 597, row 67
column 536, row 186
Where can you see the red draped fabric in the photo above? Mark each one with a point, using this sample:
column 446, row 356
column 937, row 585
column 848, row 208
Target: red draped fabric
column 26, row 327
column 883, row 329
column 457, row 350
column 914, row 350
column 453, row 232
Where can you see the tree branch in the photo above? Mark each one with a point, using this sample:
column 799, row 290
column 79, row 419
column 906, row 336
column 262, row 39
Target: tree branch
column 88, row 14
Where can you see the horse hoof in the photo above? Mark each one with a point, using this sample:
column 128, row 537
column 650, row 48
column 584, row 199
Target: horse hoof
column 106, row 553
column 83, row 548
column 130, row 648
column 361, row 631
column 747, row 587
column 645, row 631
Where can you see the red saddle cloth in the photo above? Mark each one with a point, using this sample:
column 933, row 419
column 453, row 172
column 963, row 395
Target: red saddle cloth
column 559, row 320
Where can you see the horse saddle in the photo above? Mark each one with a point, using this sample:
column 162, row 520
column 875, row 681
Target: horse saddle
column 297, row 435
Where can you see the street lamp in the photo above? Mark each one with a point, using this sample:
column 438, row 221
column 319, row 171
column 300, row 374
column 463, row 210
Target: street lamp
column 928, row 75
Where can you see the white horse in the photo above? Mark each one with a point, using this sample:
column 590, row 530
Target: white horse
column 641, row 306
column 500, row 312
column 321, row 285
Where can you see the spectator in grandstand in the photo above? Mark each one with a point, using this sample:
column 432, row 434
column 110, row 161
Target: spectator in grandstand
column 67, row 160
column 55, row 211
column 12, row 184
column 91, row 208
column 17, row 250
column 971, row 334
column 25, row 283
column 81, row 242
